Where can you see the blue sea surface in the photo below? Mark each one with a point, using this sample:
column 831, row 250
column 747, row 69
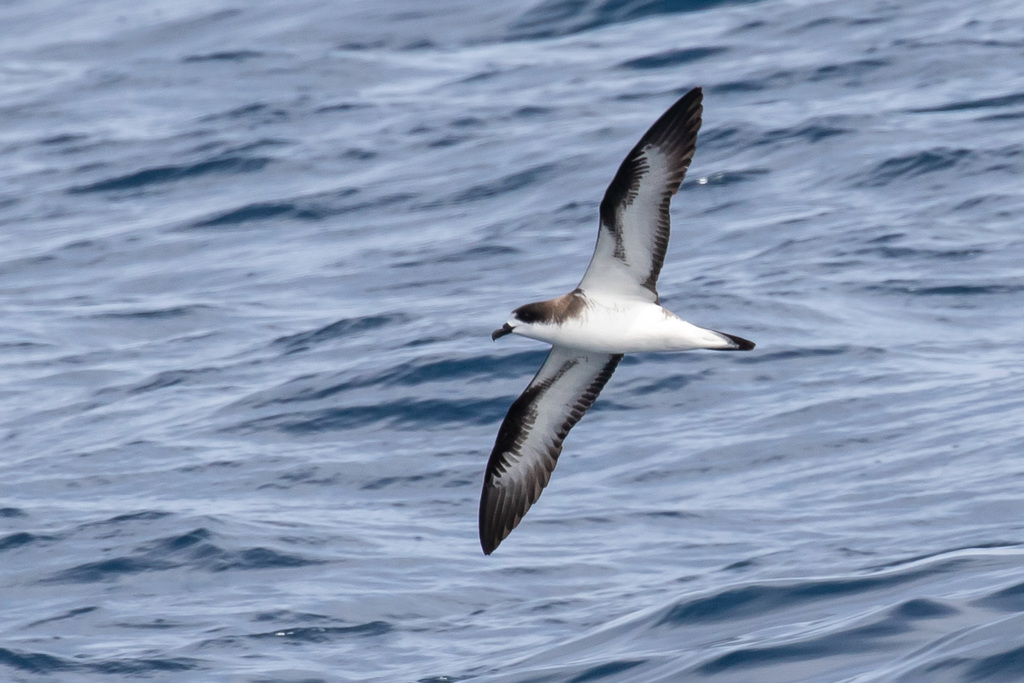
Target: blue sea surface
column 251, row 255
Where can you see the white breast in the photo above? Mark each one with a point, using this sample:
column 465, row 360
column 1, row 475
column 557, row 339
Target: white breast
column 625, row 326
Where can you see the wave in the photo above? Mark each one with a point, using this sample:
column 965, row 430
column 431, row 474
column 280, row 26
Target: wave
column 42, row 663
column 194, row 550
column 891, row 624
column 553, row 18
column 159, row 175
column 316, row 207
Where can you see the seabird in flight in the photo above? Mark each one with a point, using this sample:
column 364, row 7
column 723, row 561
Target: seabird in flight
column 614, row 310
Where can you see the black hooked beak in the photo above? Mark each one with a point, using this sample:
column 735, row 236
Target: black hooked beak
column 501, row 332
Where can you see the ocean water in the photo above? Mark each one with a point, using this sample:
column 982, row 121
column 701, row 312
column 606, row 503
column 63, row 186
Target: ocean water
column 250, row 257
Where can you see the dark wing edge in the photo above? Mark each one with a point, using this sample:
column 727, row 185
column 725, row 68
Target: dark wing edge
column 674, row 134
column 533, row 454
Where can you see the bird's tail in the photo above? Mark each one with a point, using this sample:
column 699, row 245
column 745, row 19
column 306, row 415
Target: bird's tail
column 732, row 342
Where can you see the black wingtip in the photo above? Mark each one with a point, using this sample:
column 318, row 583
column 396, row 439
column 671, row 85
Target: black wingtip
column 490, row 538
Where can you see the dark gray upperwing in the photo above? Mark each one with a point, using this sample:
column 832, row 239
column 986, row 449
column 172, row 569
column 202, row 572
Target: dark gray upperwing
column 634, row 231
column 530, row 438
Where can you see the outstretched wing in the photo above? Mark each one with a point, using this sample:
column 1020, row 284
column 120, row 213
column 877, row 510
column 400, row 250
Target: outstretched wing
column 633, row 236
column 530, row 439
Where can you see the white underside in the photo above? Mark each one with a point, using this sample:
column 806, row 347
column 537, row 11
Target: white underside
column 611, row 325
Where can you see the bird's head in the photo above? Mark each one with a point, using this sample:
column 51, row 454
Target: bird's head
column 525, row 320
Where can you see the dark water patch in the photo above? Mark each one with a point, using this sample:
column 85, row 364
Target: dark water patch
column 411, row 373
column 34, row 662
column 446, row 141
column 109, row 570
column 165, row 174
column 70, row 614
column 741, row 565
column 669, row 383
column 387, row 482
column 358, row 154
column 659, row 60
column 163, row 380
column 506, row 184
column 143, row 667
column 792, row 354
column 477, row 253
column 40, row 663
column 195, row 549
column 728, row 137
column 156, row 313
column 1007, row 600
column 858, row 639
column 833, row 21
column 358, row 46
column 553, row 18
column 224, row 56
column 481, row 76
column 421, row 371
column 20, row 346
column 323, row 634
column 472, row 254
column 985, row 200
column 213, row 465
column 812, row 133
column 915, row 165
column 847, row 70
column 259, row 211
column 401, row 414
column 141, row 516
column 466, row 122
column 1005, row 666
column 309, row 475
column 914, row 287
column 284, row 614
column 341, row 106
column 851, row 73
column 306, row 209
column 258, row 110
column 530, row 111
column 254, row 558
column 9, row 512
column 749, row 601
column 602, row 671
column 346, row 327
column 667, row 514
column 742, row 86
column 18, row 540
column 157, row 624
column 63, row 139
column 922, row 608
column 1014, row 116
column 982, row 103
column 905, row 253
column 174, row 544
column 419, row 44
column 79, row 244
column 848, row 641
